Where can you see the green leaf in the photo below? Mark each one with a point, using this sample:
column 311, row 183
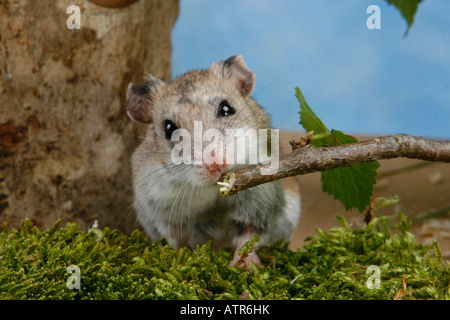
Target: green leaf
column 407, row 8
column 308, row 118
column 311, row 122
column 352, row 186
column 339, row 138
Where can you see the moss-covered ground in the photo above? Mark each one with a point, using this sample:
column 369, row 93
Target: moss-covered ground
column 332, row 265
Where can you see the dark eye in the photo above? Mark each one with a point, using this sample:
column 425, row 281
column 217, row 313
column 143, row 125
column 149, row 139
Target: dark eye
column 225, row 109
column 169, row 128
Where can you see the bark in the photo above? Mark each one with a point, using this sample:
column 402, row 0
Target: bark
column 65, row 139
column 308, row 159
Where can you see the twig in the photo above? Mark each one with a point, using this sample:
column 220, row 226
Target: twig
column 304, row 141
column 402, row 291
column 414, row 166
column 431, row 215
column 310, row 159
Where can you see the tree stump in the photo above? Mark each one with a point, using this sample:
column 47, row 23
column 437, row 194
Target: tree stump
column 65, row 139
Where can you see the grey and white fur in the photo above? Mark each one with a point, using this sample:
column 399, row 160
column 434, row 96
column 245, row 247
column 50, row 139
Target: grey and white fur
column 181, row 202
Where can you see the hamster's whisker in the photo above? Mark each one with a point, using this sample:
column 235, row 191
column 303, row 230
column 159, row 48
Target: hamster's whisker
column 271, row 83
column 175, row 202
column 184, row 206
column 166, row 169
column 129, row 135
column 168, row 172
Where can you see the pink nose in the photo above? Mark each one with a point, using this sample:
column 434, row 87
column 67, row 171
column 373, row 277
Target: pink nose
column 215, row 167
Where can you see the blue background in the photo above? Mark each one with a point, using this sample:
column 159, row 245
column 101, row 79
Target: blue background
column 360, row 81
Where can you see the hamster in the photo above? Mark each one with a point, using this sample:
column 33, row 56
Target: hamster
column 181, row 201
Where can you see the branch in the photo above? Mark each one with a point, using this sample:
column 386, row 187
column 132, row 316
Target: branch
column 310, row 159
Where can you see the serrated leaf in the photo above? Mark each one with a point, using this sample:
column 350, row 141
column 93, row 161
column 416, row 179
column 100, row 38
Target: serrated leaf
column 407, row 8
column 338, row 138
column 311, row 122
column 352, row 186
column 308, row 118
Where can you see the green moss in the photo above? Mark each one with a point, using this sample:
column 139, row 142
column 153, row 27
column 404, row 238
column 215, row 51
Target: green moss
column 332, row 265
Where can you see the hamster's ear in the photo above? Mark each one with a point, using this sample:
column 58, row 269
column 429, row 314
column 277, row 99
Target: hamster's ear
column 139, row 99
column 236, row 69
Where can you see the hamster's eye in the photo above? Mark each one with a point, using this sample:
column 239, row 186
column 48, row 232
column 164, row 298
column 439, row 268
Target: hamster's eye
column 225, row 110
column 169, row 128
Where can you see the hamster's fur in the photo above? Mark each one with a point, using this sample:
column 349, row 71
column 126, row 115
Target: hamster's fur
column 181, row 202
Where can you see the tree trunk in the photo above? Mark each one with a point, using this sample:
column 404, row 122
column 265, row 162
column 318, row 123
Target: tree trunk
column 65, row 139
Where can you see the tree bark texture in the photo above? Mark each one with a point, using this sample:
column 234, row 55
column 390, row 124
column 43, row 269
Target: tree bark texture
column 310, row 159
column 65, row 139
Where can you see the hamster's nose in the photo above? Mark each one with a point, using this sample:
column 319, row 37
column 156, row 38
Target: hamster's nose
column 214, row 167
